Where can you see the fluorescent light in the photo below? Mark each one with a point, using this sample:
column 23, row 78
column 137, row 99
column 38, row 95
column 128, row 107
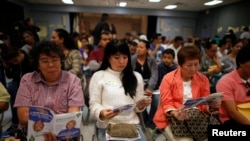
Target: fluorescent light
column 170, row 6
column 68, row 1
column 154, row 0
column 214, row 2
column 122, row 4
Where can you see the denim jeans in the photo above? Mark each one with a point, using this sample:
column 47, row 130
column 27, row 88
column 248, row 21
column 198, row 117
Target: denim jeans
column 101, row 134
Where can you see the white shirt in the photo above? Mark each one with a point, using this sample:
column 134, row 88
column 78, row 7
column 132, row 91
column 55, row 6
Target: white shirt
column 187, row 90
column 107, row 92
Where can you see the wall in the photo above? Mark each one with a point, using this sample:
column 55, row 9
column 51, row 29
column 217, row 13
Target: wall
column 218, row 21
column 51, row 16
column 205, row 23
column 171, row 27
column 48, row 21
column 123, row 23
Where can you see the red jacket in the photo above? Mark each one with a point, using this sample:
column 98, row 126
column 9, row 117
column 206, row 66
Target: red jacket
column 171, row 94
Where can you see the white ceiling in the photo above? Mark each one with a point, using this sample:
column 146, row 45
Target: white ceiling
column 183, row 5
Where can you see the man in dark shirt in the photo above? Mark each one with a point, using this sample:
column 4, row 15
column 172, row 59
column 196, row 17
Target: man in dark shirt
column 100, row 27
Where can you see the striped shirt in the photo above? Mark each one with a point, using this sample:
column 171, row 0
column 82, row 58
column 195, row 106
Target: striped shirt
column 66, row 92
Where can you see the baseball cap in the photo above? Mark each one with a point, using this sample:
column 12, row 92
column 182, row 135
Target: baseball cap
column 143, row 37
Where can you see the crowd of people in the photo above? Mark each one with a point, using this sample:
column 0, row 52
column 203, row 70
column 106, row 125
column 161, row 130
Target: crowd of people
column 64, row 75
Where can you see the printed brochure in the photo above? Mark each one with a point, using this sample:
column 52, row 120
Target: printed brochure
column 129, row 107
column 202, row 100
column 43, row 120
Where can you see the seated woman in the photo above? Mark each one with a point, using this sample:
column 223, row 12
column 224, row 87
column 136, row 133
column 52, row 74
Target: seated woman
column 210, row 64
column 179, row 85
column 146, row 65
column 229, row 61
column 49, row 86
column 235, row 87
column 115, row 84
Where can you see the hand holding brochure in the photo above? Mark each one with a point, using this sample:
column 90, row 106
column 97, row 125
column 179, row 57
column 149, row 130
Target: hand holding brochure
column 43, row 120
column 202, row 100
column 129, row 107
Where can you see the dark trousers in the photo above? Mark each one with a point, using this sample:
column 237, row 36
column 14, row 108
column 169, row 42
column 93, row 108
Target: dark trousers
column 148, row 117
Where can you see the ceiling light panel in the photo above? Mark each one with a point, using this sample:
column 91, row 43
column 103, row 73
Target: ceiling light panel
column 214, row 2
column 170, row 6
column 154, row 0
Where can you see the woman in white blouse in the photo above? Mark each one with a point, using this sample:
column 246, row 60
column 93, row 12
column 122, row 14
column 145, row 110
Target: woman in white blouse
column 115, row 84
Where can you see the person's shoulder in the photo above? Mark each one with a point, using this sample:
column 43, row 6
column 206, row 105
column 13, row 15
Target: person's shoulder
column 98, row 74
column 138, row 75
column 161, row 65
column 231, row 76
column 73, row 51
column 30, row 75
column 67, row 75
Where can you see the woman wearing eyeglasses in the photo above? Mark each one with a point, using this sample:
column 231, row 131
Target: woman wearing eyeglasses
column 236, row 89
column 49, row 86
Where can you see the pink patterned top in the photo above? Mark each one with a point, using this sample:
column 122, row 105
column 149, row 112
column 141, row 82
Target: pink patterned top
column 65, row 93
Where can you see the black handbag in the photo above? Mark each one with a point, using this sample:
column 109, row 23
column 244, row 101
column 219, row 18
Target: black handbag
column 195, row 126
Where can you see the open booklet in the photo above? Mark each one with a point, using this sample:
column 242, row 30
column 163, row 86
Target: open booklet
column 202, row 100
column 129, row 107
column 43, row 120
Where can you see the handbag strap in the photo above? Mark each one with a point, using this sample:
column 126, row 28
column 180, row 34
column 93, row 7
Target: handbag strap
column 186, row 125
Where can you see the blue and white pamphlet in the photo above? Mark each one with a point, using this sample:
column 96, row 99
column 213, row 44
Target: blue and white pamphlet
column 202, row 100
column 129, row 107
column 43, row 120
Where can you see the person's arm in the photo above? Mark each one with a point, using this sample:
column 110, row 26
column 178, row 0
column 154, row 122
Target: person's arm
column 226, row 85
column 154, row 73
column 166, row 97
column 73, row 109
column 75, row 95
column 23, row 115
column 233, row 113
column 76, row 62
column 139, row 94
column 4, row 106
column 218, row 64
column 4, row 98
column 23, row 99
column 155, row 49
column 95, row 94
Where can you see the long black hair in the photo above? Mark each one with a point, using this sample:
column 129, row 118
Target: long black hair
column 129, row 80
column 68, row 41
